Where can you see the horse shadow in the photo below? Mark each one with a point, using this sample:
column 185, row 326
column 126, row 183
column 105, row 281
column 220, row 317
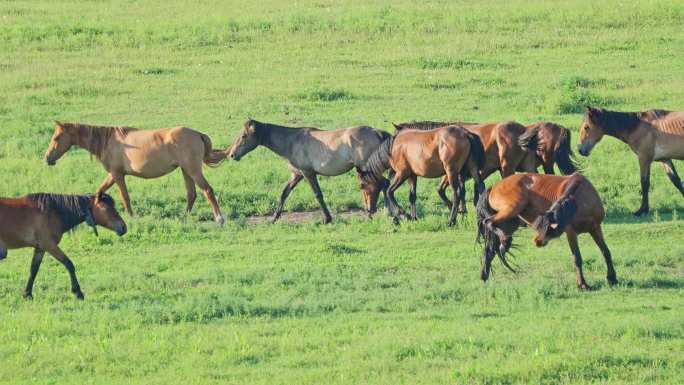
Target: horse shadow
column 622, row 216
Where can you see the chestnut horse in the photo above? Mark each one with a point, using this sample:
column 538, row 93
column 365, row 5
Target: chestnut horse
column 311, row 152
column 653, row 135
column 40, row 220
column 502, row 151
column 551, row 205
column 448, row 151
column 142, row 153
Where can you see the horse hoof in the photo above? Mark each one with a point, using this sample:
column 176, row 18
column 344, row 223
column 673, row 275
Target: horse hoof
column 640, row 212
column 28, row 296
column 584, row 287
column 79, row 295
column 327, row 220
column 219, row 219
column 612, row 281
column 396, row 220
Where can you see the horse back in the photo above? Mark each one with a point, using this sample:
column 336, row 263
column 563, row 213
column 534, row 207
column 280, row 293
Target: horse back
column 22, row 224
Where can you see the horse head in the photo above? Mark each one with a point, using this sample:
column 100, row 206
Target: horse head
column 590, row 131
column 102, row 212
column 63, row 138
column 246, row 141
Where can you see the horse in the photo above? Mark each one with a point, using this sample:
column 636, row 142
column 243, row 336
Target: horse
column 310, row 152
column 550, row 143
column 502, row 150
column 40, row 220
column 653, row 135
column 549, row 204
column 448, row 151
column 142, row 153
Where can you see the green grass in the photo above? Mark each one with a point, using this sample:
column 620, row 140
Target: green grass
column 180, row 300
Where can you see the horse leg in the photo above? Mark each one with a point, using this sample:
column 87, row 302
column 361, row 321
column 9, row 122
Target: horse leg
column 395, row 209
column 577, row 258
column 120, row 180
column 461, row 195
column 645, row 171
column 289, row 186
column 478, row 184
column 59, row 255
column 191, row 191
column 105, row 185
column 456, row 183
column 208, row 191
column 35, row 265
column 313, row 181
column 413, row 181
column 441, row 190
column 3, row 251
column 672, row 174
column 597, row 234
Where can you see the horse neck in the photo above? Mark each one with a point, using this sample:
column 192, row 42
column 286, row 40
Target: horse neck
column 94, row 139
column 276, row 138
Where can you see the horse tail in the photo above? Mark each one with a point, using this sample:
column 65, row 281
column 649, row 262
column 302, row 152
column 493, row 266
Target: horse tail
column 561, row 212
column 565, row 158
column 477, row 151
column 378, row 161
column 486, row 232
column 212, row 158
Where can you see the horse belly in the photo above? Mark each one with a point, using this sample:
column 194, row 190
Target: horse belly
column 333, row 166
column 149, row 164
column 672, row 148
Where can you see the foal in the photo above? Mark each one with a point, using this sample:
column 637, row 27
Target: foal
column 551, row 205
column 40, row 220
column 143, row 153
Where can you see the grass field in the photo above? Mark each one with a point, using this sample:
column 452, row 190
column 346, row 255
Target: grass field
column 181, row 300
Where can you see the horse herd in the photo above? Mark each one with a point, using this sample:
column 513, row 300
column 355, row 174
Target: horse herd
column 454, row 151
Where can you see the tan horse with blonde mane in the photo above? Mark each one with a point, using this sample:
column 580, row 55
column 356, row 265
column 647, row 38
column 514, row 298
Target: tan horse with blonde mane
column 653, row 135
column 142, row 153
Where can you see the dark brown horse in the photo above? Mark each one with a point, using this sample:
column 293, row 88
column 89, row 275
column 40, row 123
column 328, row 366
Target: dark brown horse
column 653, row 135
column 551, row 205
column 143, row 153
column 550, row 143
column 40, row 220
column 446, row 151
column 502, row 150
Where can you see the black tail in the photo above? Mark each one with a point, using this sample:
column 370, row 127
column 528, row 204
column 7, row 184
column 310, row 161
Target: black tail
column 492, row 243
column 560, row 213
column 564, row 157
column 378, row 161
column 477, row 151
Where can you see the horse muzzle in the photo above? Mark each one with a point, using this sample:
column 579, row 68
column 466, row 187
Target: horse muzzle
column 583, row 149
column 3, row 253
column 121, row 230
column 49, row 161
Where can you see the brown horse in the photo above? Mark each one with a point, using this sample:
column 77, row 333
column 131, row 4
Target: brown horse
column 311, row 152
column 142, row 153
column 653, row 135
column 40, row 220
column 446, row 151
column 550, row 143
column 502, row 150
column 551, row 205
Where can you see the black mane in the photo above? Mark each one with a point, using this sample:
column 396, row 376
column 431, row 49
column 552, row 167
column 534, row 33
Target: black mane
column 71, row 209
column 613, row 122
column 263, row 130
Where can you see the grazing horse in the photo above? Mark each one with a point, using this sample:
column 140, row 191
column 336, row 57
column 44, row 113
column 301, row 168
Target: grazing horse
column 549, row 204
column 40, row 220
column 550, row 144
column 448, row 151
column 311, row 152
column 653, row 135
column 142, row 153
column 502, row 151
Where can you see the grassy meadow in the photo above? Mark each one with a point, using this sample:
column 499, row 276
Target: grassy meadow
column 181, row 300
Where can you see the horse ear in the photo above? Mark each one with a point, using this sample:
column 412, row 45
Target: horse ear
column 58, row 123
column 396, row 126
column 98, row 197
column 590, row 110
